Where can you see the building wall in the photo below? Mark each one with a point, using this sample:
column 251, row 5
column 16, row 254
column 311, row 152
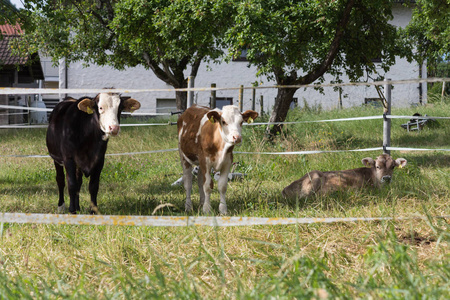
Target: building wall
column 238, row 73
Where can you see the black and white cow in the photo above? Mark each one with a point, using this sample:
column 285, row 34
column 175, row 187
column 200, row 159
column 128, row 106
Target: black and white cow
column 77, row 137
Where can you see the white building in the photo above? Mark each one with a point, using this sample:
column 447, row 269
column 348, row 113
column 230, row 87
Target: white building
column 238, row 73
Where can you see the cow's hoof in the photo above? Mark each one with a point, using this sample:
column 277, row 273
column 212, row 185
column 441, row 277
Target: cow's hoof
column 223, row 209
column 188, row 207
column 207, row 209
column 94, row 210
column 61, row 208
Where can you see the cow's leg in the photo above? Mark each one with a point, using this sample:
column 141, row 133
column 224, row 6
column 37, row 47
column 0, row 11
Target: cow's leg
column 72, row 185
column 200, row 181
column 222, row 186
column 207, row 187
column 61, row 181
column 94, row 184
column 79, row 183
column 187, row 182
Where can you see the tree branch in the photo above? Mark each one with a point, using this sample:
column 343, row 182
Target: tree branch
column 326, row 63
column 156, row 69
column 196, row 65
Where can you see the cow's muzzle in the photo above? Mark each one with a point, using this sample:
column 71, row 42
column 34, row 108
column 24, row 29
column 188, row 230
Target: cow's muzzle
column 237, row 139
column 386, row 179
column 114, row 129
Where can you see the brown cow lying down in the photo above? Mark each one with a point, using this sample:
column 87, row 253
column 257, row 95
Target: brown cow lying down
column 377, row 172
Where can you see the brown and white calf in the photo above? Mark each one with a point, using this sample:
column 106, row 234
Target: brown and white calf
column 375, row 174
column 206, row 138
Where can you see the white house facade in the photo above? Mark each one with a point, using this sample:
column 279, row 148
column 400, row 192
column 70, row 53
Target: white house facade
column 237, row 73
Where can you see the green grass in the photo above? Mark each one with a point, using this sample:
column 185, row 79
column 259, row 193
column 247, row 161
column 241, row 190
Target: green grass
column 401, row 259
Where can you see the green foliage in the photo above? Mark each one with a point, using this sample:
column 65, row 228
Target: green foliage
column 297, row 37
column 121, row 33
column 429, row 29
column 164, row 36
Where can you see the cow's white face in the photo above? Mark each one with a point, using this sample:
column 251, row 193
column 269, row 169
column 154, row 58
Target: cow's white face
column 108, row 106
column 383, row 167
column 108, row 109
column 231, row 120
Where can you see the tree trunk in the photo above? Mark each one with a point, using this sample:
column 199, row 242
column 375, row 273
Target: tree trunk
column 280, row 110
column 181, row 100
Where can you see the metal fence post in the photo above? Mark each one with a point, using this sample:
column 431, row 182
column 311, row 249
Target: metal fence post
column 387, row 121
column 190, row 95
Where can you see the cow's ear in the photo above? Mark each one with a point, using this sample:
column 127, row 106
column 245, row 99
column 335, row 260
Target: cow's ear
column 249, row 116
column 131, row 105
column 214, row 116
column 400, row 162
column 86, row 105
column 368, row 162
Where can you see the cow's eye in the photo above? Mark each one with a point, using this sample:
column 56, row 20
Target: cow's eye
column 100, row 108
column 224, row 123
column 378, row 167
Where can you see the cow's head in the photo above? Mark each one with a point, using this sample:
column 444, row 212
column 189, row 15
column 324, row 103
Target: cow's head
column 231, row 120
column 108, row 106
column 383, row 167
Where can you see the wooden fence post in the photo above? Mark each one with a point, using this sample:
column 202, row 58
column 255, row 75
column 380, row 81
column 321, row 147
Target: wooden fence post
column 387, row 121
column 212, row 103
column 253, row 97
column 261, row 104
column 190, row 95
column 241, row 97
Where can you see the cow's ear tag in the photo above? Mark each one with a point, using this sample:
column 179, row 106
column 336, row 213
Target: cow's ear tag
column 89, row 110
column 211, row 119
column 250, row 120
column 400, row 166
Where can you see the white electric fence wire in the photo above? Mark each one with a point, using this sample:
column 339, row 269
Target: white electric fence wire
column 255, row 153
column 181, row 221
column 256, row 123
column 19, row 91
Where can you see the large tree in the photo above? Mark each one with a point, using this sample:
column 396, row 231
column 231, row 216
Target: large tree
column 429, row 30
column 297, row 42
column 168, row 37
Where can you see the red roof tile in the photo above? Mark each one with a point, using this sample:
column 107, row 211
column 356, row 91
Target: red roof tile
column 7, row 29
column 6, row 58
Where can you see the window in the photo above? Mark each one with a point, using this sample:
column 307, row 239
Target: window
column 222, row 101
column 242, row 56
column 376, row 60
column 375, row 102
column 166, row 105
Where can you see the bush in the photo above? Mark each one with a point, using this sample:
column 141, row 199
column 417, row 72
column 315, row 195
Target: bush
column 435, row 92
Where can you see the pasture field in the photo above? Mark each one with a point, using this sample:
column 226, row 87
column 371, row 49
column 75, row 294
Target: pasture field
column 407, row 259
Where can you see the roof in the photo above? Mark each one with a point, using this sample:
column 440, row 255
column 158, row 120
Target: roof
column 7, row 29
column 6, row 56
column 10, row 34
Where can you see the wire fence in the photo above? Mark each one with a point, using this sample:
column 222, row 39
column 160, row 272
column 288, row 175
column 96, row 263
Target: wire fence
column 209, row 221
